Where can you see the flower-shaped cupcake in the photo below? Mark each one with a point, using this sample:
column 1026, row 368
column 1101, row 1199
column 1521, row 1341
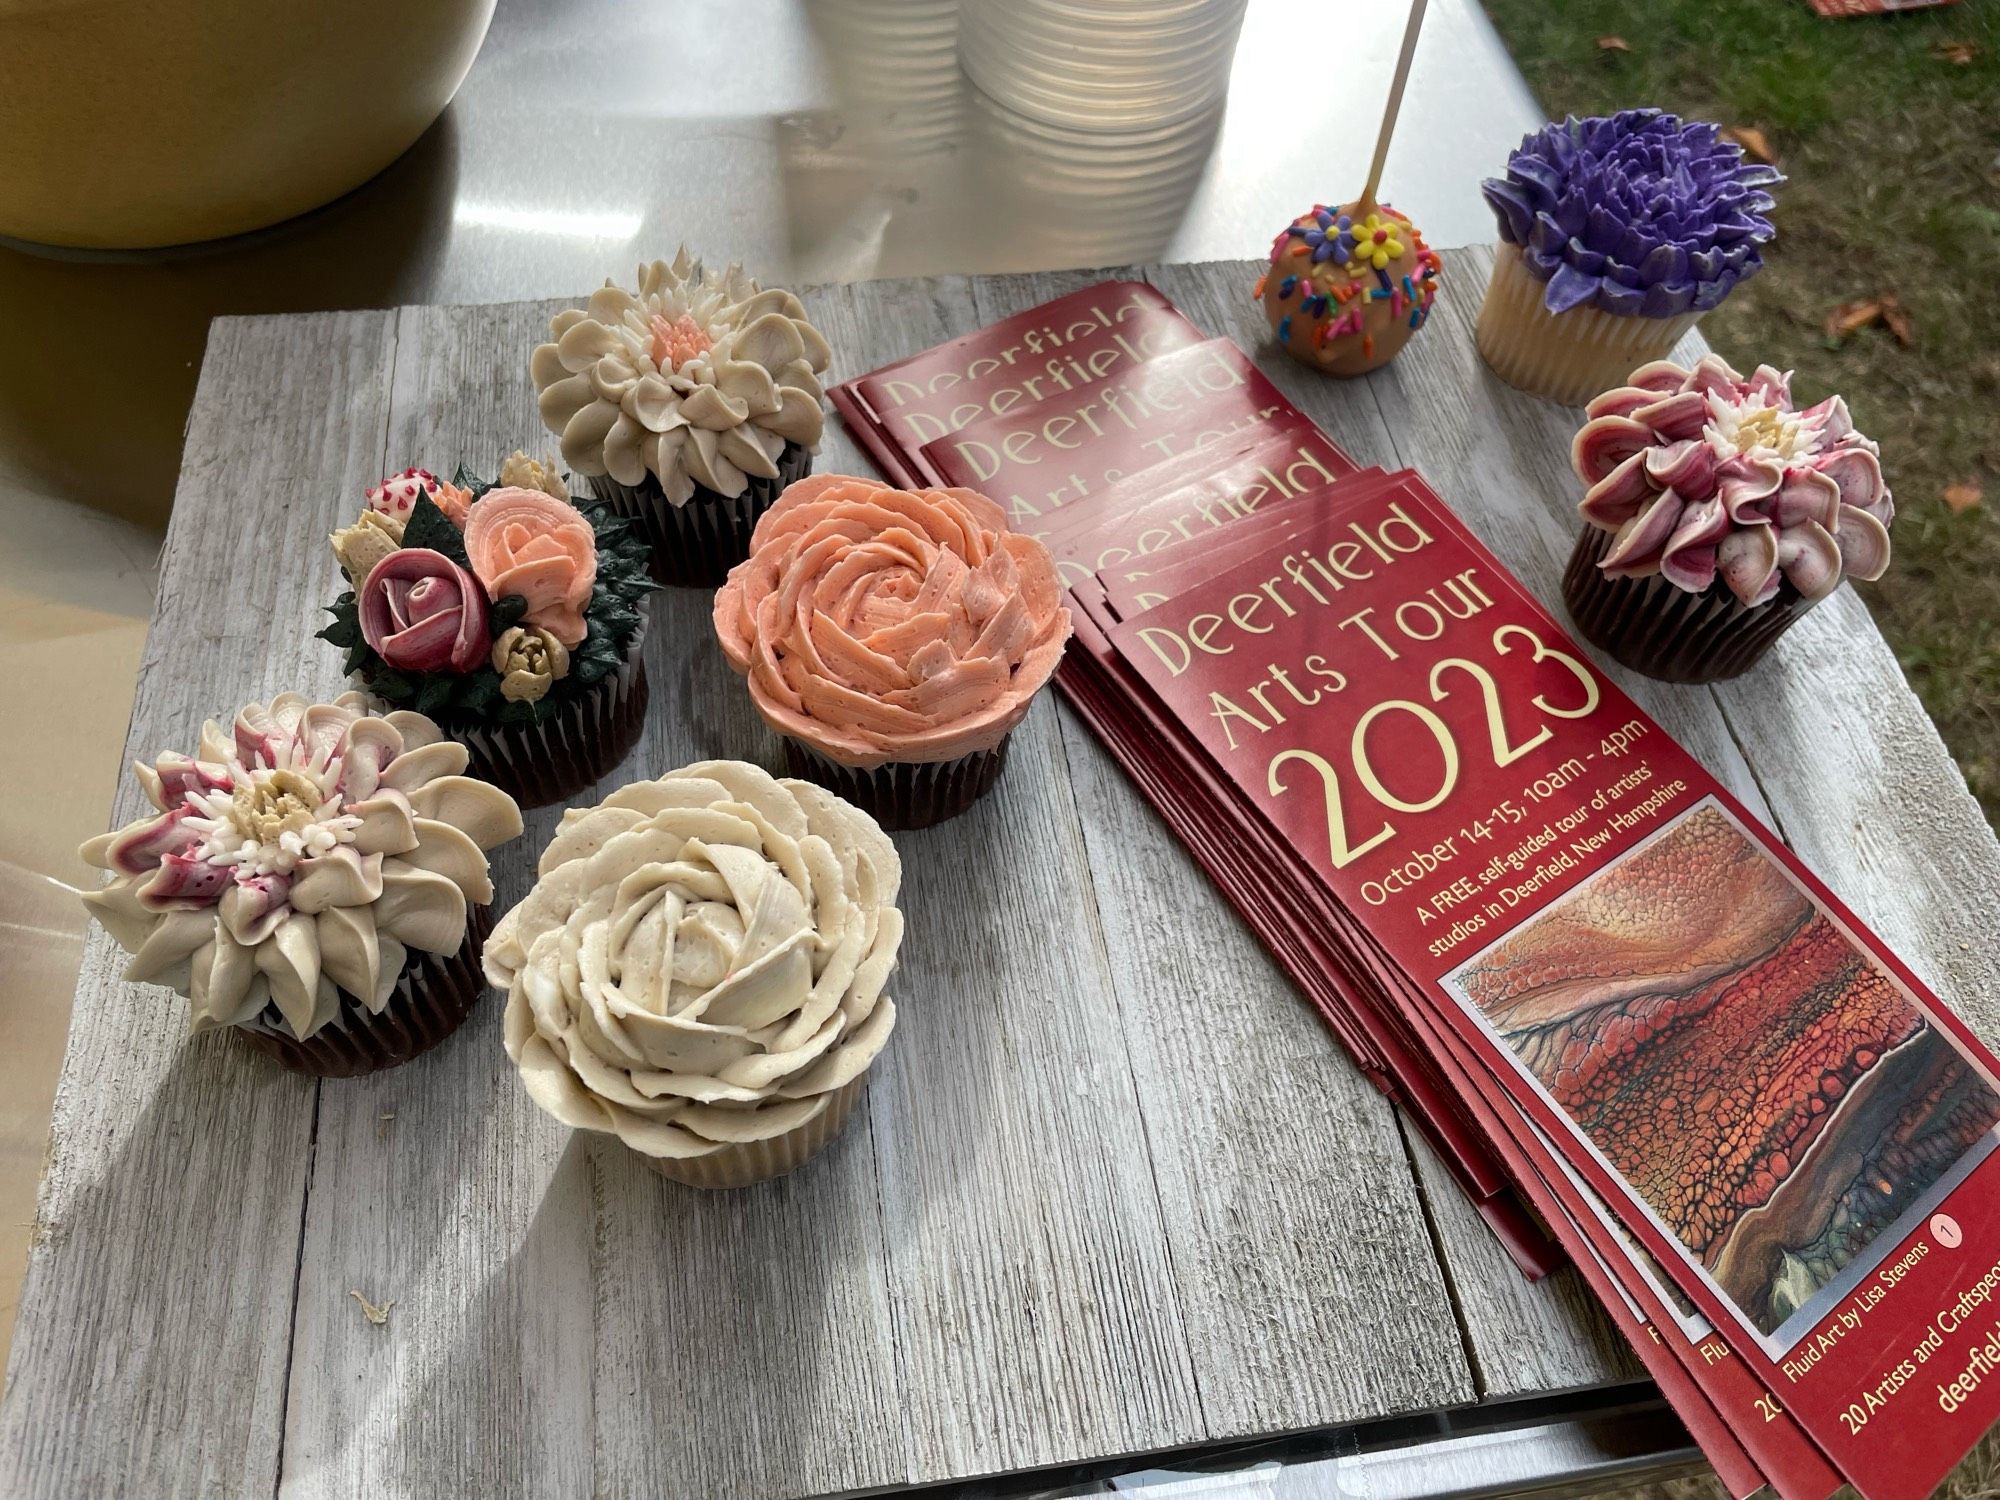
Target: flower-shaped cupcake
column 1635, row 214
column 1702, row 474
column 698, row 378
column 699, row 969
column 879, row 625
column 304, row 852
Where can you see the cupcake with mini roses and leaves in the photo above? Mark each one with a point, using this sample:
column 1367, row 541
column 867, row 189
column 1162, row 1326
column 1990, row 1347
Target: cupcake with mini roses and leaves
column 1717, row 514
column 509, row 615
column 1617, row 233
column 688, row 405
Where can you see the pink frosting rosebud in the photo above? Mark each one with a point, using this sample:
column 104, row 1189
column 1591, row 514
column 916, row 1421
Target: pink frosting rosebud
column 422, row 612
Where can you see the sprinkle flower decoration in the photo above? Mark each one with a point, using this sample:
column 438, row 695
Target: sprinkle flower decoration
column 1637, row 214
column 1376, row 244
column 1325, row 233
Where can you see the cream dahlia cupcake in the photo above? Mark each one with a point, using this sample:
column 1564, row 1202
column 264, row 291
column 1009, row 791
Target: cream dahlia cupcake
column 1717, row 514
column 699, row 970
column 512, row 616
column 894, row 638
column 313, row 878
column 689, row 404
column 1618, row 234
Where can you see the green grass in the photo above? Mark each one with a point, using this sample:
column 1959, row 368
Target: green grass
column 1893, row 159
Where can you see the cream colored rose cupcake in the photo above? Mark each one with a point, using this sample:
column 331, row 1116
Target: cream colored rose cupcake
column 315, row 878
column 699, row 970
column 689, row 404
column 894, row 638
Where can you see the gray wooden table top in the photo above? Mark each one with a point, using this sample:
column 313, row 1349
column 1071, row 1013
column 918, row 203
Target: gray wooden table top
column 1113, row 1190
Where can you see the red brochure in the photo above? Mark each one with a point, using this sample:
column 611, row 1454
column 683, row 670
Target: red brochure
column 1767, row 1102
column 1036, row 460
column 1063, row 345
column 1193, row 498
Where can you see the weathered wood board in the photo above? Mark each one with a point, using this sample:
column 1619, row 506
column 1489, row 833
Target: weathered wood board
column 1076, row 1217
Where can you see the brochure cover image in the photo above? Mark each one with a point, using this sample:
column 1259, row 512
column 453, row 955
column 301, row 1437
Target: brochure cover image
column 1780, row 1102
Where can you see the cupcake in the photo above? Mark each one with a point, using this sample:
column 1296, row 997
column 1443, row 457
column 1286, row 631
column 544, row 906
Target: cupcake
column 1717, row 514
column 1619, row 233
column 314, row 878
column 510, row 616
column 894, row 638
column 688, row 405
column 699, row 970
column 1347, row 289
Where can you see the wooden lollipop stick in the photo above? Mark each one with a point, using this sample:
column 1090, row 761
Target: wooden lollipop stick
column 1367, row 199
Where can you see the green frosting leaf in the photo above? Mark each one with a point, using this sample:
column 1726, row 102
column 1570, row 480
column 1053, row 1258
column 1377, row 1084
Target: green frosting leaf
column 430, row 527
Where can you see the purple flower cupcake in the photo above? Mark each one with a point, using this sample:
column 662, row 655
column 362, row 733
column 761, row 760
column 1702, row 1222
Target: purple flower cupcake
column 1618, row 235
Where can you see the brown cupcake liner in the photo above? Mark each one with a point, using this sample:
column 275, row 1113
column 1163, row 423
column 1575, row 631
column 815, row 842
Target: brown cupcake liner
column 1665, row 632
column 433, row 996
column 903, row 794
column 695, row 544
column 538, row 764
column 1568, row 357
column 749, row 1162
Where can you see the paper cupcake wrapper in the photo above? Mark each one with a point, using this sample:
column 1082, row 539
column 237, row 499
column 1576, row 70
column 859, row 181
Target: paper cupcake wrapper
column 1568, row 357
column 1665, row 632
column 433, row 996
column 903, row 794
column 697, row 543
column 538, row 764
column 747, row 1162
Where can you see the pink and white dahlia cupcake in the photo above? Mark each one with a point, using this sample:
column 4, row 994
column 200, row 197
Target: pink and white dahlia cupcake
column 314, row 878
column 894, row 638
column 688, row 404
column 700, row 970
column 1717, row 514
column 514, row 618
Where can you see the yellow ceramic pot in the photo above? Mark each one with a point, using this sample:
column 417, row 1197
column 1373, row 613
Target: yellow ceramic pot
column 135, row 123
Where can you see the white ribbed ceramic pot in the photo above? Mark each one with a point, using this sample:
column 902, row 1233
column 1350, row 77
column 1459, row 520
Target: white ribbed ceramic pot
column 128, row 124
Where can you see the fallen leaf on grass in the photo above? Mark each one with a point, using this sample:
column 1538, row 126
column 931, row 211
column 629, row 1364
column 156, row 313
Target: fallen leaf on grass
column 1957, row 52
column 1962, row 497
column 376, row 1316
column 1616, row 44
column 1852, row 317
column 1752, row 140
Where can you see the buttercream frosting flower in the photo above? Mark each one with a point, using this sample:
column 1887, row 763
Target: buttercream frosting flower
column 1635, row 214
column 395, row 496
column 529, row 660
column 372, row 537
column 529, row 543
column 301, row 852
column 701, row 961
column 422, row 612
column 878, row 625
column 1702, row 474
column 523, row 471
column 697, row 378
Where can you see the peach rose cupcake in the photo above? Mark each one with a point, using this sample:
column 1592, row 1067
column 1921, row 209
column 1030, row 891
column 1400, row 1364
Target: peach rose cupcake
column 512, row 617
column 894, row 638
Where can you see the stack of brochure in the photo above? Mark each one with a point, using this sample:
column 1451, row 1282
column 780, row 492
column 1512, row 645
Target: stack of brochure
column 1644, row 1037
